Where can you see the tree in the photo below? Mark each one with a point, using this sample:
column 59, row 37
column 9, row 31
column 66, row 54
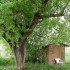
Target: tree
column 52, row 30
column 18, row 18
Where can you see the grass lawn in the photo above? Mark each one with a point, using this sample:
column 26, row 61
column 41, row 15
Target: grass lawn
column 8, row 67
column 37, row 66
column 67, row 57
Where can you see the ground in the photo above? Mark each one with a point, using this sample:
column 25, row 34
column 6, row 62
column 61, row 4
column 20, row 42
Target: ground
column 36, row 66
column 39, row 66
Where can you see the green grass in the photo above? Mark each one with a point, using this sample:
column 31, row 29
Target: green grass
column 8, row 67
column 8, row 64
column 6, row 61
column 37, row 66
column 67, row 57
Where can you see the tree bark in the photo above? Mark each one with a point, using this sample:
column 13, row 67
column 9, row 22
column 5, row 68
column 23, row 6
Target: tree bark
column 20, row 58
column 20, row 53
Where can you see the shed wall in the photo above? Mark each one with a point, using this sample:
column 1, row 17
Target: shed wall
column 55, row 51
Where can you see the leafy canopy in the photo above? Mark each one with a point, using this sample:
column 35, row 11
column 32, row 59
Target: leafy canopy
column 16, row 16
column 52, row 30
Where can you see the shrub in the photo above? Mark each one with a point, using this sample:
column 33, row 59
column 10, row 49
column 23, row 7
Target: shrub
column 37, row 66
column 8, row 68
column 6, row 61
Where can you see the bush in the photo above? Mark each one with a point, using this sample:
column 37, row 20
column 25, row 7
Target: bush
column 8, row 68
column 6, row 61
column 37, row 66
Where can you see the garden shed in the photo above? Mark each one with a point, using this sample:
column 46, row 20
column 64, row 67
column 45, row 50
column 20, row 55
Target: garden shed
column 53, row 51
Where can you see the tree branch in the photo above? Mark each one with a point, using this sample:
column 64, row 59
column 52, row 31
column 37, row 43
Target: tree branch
column 39, row 16
column 44, row 2
column 65, row 7
column 36, row 20
column 53, row 15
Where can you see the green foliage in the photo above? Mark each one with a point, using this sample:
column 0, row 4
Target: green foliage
column 67, row 58
column 16, row 16
column 8, row 67
column 52, row 30
column 6, row 61
column 36, row 53
column 36, row 66
column 5, row 45
column 54, row 7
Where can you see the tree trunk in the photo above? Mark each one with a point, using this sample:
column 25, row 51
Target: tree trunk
column 20, row 53
column 20, row 58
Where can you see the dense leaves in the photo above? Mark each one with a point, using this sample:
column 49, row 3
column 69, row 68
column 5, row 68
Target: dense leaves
column 17, row 16
column 52, row 30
